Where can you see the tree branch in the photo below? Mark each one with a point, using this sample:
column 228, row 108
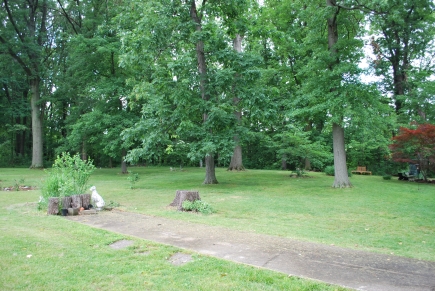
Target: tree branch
column 16, row 57
column 67, row 17
column 11, row 19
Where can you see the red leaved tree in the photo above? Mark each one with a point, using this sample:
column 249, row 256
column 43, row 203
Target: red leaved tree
column 416, row 146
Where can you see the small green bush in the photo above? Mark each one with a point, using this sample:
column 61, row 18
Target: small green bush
column 329, row 170
column 132, row 178
column 68, row 176
column 386, row 177
column 298, row 173
column 197, row 206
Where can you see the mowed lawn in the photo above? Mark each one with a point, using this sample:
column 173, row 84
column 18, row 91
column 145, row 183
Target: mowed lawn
column 40, row 252
column 386, row 216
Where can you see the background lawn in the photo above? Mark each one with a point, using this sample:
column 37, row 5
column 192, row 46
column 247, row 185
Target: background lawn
column 386, row 216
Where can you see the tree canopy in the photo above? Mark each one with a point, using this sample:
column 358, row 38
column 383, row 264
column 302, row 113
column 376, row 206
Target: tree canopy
column 280, row 83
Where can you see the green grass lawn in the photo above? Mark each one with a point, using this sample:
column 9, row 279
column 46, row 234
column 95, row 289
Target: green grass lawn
column 386, row 216
column 40, row 252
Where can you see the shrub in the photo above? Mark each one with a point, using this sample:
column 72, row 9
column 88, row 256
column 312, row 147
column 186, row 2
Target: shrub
column 132, row 178
column 298, row 172
column 197, row 206
column 386, row 177
column 68, row 176
column 330, row 171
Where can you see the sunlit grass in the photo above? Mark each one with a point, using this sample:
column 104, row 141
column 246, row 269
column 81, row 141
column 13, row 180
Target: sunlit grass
column 387, row 216
column 40, row 252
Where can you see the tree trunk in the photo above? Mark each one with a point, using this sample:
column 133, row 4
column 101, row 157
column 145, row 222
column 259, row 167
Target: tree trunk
column 84, row 154
column 307, row 164
column 124, row 163
column 236, row 160
column 284, row 163
column 308, row 128
column 210, row 173
column 37, row 141
column 341, row 178
column 210, row 176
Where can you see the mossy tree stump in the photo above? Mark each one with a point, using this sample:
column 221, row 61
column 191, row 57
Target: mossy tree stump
column 181, row 195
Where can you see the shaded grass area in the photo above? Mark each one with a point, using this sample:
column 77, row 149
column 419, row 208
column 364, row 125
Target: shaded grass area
column 386, row 216
column 40, row 252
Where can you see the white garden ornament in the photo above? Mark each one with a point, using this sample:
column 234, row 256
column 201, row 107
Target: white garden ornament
column 97, row 200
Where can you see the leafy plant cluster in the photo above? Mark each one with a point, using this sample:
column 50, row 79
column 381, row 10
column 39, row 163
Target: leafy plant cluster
column 329, row 170
column 132, row 178
column 68, row 176
column 197, row 206
column 298, row 172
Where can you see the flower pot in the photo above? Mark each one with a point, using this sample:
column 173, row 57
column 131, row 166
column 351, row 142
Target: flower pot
column 64, row 211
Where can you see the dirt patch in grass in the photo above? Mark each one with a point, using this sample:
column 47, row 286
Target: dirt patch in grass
column 179, row 259
column 121, row 244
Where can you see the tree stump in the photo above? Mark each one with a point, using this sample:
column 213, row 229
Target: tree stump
column 182, row 195
column 66, row 202
column 86, row 200
column 53, row 206
column 76, row 201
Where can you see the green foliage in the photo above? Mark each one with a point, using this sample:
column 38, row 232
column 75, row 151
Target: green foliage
column 386, row 177
column 68, row 176
column 298, row 172
column 112, row 204
column 297, row 146
column 197, row 206
column 329, row 170
column 132, row 178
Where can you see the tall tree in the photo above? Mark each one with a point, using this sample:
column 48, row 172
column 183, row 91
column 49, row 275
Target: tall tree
column 403, row 43
column 210, row 173
column 188, row 70
column 341, row 178
column 236, row 162
column 24, row 37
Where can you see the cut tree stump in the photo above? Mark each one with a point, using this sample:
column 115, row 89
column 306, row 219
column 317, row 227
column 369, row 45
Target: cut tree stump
column 182, row 195
column 76, row 201
column 53, row 206
column 66, row 202
column 86, row 200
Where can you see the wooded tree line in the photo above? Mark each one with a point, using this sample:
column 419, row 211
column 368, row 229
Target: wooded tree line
column 233, row 83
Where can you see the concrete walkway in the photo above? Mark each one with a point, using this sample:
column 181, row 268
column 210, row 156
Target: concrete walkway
column 349, row 268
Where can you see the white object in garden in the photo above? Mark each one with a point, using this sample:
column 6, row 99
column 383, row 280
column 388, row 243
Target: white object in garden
column 97, row 199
